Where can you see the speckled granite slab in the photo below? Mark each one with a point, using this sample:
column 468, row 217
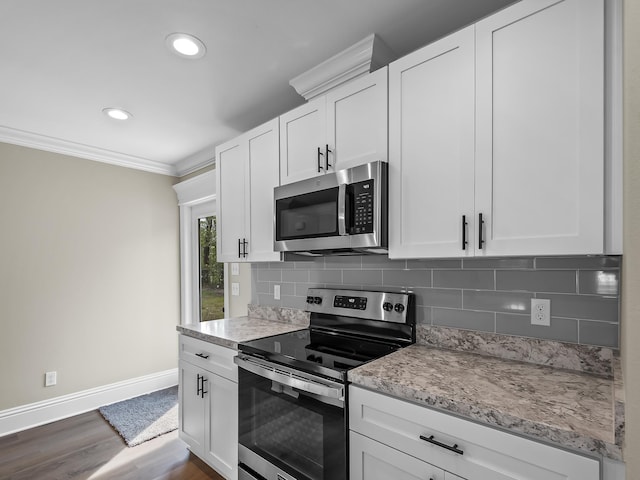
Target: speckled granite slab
column 229, row 332
column 279, row 314
column 568, row 408
column 583, row 358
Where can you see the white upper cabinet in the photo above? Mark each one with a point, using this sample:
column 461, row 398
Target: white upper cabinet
column 540, row 128
column 526, row 175
column 431, row 149
column 302, row 139
column 344, row 128
column 247, row 174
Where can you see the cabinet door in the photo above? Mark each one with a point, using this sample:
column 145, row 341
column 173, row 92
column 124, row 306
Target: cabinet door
column 263, row 152
column 231, row 166
column 431, row 149
column 357, row 121
column 222, row 434
column 191, row 408
column 539, row 164
column 371, row 460
column 302, row 132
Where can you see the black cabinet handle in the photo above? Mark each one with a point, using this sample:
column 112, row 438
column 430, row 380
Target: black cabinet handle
column 326, row 156
column 203, row 391
column 199, row 389
column 244, row 247
column 319, row 163
column 464, row 232
column 480, row 228
column 239, row 247
column 202, row 355
column 443, row 445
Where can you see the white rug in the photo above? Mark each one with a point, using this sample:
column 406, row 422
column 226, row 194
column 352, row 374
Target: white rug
column 145, row 417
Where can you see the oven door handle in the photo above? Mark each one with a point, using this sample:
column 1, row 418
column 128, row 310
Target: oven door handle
column 286, row 377
column 342, row 209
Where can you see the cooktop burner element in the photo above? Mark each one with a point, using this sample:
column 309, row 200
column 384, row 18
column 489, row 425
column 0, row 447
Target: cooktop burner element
column 347, row 328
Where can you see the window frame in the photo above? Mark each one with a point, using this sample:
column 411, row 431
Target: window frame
column 196, row 199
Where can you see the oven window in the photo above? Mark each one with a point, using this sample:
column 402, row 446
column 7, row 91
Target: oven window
column 302, row 436
column 310, row 215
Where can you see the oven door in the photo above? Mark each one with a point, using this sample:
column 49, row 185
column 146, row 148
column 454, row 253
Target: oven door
column 292, row 426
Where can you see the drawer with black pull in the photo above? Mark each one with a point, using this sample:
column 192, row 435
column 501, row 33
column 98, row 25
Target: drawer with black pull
column 462, row 447
column 211, row 357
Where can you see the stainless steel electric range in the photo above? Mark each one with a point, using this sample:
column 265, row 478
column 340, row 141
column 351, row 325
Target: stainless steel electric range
column 293, row 387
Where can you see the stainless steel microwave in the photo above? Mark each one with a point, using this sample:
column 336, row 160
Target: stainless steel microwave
column 339, row 213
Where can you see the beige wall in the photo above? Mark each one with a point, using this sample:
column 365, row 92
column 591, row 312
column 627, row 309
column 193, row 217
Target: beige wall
column 631, row 260
column 89, row 274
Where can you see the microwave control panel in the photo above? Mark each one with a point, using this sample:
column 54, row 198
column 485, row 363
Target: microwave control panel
column 362, row 207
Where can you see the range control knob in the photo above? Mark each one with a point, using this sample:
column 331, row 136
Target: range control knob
column 317, row 300
column 387, row 306
column 309, row 299
column 399, row 308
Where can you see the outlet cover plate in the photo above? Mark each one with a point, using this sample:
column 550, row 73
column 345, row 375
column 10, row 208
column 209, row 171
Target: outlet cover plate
column 235, row 289
column 541, row 312
column 50, row 379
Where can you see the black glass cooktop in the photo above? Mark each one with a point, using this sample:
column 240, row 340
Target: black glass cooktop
column 323, row 353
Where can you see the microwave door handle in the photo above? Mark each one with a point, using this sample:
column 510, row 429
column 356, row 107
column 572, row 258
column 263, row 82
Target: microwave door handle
column 342, row 209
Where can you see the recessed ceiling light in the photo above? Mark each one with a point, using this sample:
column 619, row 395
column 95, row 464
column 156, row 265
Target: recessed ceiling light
column 117, row 113
column 186, row 45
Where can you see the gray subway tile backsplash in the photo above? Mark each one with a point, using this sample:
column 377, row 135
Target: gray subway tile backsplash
column 599, row 333
column 406, row 278
column 561, row 329
column 362, row 277
column 438, row 297
column 510, row 302
column 591, row 307
column 485, row 294
column 599, row 282
column 561, row 281
column 467, row 319
column 483, row 279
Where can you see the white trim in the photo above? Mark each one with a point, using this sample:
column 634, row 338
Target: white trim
column 197, row 190
column 363, row 57
column 65, row 147
column 196, row 198
column 614, row 128
column 47, row 411
column 198, row 160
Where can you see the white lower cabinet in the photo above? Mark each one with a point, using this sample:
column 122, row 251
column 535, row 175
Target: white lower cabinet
column 392, row 438
column 208, row 411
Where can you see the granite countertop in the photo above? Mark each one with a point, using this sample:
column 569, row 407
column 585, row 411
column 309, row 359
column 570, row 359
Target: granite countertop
column 571, row 408
column 228, row 332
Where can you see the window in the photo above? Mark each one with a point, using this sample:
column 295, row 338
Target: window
column 202, row 287
column 211, row 272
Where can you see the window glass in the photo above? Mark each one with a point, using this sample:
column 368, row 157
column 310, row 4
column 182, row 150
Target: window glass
column 211, row 272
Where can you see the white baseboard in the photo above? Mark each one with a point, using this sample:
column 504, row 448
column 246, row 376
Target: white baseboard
column 34, row 414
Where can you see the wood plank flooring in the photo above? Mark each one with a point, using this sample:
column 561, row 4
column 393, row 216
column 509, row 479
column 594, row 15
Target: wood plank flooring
column 86, row 447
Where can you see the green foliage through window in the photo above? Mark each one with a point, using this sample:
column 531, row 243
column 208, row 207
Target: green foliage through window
column 211, row 272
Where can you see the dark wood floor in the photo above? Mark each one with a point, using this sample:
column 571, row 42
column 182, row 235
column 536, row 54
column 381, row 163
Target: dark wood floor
column 86, row 447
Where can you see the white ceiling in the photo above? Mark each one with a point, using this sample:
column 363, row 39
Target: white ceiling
column 63, row 61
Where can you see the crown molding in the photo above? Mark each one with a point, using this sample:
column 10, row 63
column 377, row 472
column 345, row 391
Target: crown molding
column 197, row 189
column 363, row 57
column 195, row 162
column 65, row 147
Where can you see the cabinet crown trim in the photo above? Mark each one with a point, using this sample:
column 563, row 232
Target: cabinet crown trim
column 363, row 57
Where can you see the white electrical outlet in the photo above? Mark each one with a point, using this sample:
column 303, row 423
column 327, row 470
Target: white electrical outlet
column 50, row 379
column 235, row 289
column 235, row 269
column 276, row 292
column 541, row 311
